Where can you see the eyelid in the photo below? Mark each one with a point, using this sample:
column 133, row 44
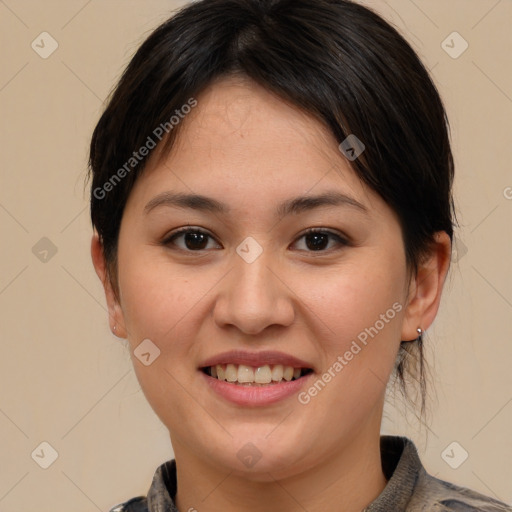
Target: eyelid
column 168, row 239
column 328, row 231
column 341, row 238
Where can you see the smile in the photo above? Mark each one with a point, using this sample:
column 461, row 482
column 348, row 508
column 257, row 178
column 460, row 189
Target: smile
column 255, row 379
column 264, row 375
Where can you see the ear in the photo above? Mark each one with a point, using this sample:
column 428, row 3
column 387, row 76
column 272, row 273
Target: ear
column 426, row 287
column 115, row 312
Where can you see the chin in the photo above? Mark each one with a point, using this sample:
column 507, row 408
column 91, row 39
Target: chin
column 253, row 456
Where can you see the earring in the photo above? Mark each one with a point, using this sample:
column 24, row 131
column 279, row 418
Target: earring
column 419, row 339
column 115, row 328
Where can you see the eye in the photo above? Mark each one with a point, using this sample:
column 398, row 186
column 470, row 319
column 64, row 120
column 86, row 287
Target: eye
column 195, row 239
column 320, row 240
column 191, row 239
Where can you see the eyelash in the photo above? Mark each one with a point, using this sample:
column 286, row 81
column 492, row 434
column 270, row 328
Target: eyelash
column 340, row 240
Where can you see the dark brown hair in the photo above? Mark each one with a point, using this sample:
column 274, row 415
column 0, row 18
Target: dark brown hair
column 333, row 59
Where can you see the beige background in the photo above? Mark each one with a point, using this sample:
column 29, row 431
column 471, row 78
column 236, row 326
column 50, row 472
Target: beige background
column 66, row 380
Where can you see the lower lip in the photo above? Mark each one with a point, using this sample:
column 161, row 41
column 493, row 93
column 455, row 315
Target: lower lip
column 255, row 395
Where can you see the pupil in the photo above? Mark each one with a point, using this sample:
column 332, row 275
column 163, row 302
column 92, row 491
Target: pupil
column 319, row 241
column 195, row 240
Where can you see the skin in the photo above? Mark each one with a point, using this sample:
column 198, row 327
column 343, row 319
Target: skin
column 250, row 150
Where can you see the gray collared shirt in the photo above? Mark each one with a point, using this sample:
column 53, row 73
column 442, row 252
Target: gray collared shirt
column 409, row 488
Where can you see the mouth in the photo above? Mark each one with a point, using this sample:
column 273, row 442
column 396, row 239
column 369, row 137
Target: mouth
column 255, row 376
column 255, row 379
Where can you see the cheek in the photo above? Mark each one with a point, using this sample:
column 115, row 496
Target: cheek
column 159, row 299
column 358, row 311
column 356, row 318
column 352, row 300
column 163, row 303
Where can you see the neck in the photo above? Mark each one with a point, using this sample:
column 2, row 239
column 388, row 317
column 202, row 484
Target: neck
column 348, row 480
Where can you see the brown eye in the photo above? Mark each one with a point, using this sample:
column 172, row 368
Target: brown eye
column 320, row 240
column 191, row 240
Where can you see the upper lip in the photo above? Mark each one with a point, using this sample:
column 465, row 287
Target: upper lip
column 255, row 359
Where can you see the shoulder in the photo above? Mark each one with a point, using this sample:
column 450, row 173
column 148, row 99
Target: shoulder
column 138, row 504
column 160, row 495
column 412, row 489
column 433, row 494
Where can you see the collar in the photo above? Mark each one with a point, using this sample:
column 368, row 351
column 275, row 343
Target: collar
column 400, row 463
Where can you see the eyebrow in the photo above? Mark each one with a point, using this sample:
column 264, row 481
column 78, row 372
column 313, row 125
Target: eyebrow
column 291, row 206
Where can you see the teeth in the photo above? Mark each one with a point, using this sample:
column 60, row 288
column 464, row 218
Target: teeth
column 277, row 373
column 263, row 375
column 243, row 374
column 231, row 373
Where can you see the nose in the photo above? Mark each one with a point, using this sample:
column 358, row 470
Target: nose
column 253, row 297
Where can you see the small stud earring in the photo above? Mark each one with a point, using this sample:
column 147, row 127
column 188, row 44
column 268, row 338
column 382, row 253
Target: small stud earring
column 419, row 338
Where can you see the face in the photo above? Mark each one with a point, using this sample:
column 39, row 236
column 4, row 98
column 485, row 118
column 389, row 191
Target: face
column 286, row 267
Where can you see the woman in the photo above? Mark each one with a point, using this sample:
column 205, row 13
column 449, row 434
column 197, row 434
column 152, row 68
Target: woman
column 271, row 198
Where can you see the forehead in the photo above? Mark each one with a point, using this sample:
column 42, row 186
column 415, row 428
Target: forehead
column 243, row 140
column 236, row 116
